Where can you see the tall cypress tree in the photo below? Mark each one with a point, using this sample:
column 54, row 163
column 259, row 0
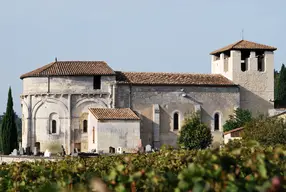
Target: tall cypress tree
column 281, row 91
column 9, row 137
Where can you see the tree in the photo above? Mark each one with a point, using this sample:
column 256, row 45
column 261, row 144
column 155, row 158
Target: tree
column 9, row 136
column 276, row 80
column 281, row 88
column 266, row 130
column 240, row 117
column 18, row 121
column 194, row 133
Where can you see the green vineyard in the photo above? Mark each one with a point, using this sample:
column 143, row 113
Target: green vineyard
column 236, row 167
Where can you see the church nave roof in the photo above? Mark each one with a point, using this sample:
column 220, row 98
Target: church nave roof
column 157, row 78
column 71, row 68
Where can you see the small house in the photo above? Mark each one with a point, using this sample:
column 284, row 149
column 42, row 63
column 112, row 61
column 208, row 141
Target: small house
column 232, row 134
column 113, row 127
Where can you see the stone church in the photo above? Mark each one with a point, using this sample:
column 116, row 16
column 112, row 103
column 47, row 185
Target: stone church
column 87, row 105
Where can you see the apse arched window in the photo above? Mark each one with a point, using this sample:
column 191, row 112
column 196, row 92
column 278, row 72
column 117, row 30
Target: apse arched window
column 216, row 122
column 54, row 126
column 176, row 121
column 84, row 126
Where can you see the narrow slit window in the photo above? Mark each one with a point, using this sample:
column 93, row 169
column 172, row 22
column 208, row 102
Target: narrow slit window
column 93, row 135
column 96, row 82
column 54, row 126
column 176, row 121
column 85, row 126
column 216, row 122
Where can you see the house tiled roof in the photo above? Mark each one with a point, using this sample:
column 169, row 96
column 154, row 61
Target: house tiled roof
column 114, row 114
column 71, row 68
column 243, row 44
column 281, row 113
column 151, row 78
column 233, row 130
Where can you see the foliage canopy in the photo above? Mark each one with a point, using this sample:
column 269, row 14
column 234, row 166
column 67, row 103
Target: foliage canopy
column 280, row 88
column 9, row 135
column 266, row 130
column 195, row 134
column 240, row 117
column 236, row 167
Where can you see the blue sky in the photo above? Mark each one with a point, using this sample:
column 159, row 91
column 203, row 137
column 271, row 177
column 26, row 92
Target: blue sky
column 170, row 36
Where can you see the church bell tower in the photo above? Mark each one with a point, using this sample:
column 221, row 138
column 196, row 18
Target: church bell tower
column 251, row 66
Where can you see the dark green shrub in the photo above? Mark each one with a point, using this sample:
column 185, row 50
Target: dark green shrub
column 240, row 117
column 194, row 133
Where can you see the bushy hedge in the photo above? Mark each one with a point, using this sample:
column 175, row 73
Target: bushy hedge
column 266, row 130
column 237, row 167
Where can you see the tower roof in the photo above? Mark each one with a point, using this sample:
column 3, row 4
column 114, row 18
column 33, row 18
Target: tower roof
column 243, row 44
column 71, row 68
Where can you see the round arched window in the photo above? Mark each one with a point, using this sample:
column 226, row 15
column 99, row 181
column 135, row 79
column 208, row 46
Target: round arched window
column 84, row 126
column 176, row 121
column 216, row 122
column 54, row 126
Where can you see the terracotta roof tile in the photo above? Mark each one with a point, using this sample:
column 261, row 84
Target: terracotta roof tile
column 149, row 78
column 233, row 130
column 62, row 68
column 243, row 44
column 114, row 114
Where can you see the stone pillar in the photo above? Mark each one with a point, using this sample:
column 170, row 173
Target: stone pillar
column 252, row 54
column 221, row 56
column 28, row 122
column 198, row 110
column 113, row 95
column 33, row 132
column 156, row 126
column 221, row 63
column 69, row 127
column 26, row 130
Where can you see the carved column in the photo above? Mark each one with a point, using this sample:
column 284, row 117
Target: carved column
column 29, row 121
column 26, row 119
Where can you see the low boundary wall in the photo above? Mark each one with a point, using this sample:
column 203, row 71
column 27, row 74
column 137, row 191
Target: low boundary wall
column 10, row 158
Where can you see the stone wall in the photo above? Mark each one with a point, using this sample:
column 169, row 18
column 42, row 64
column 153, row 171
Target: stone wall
column 118, row 133
column 70, row 97
column 211, row 100
column 67, row 103
column 65, row 84
column 256, row 87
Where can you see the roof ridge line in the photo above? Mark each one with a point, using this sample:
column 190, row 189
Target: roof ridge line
column 176, row 73
column 50, row 65
column 62, row 61
column 236, row 43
